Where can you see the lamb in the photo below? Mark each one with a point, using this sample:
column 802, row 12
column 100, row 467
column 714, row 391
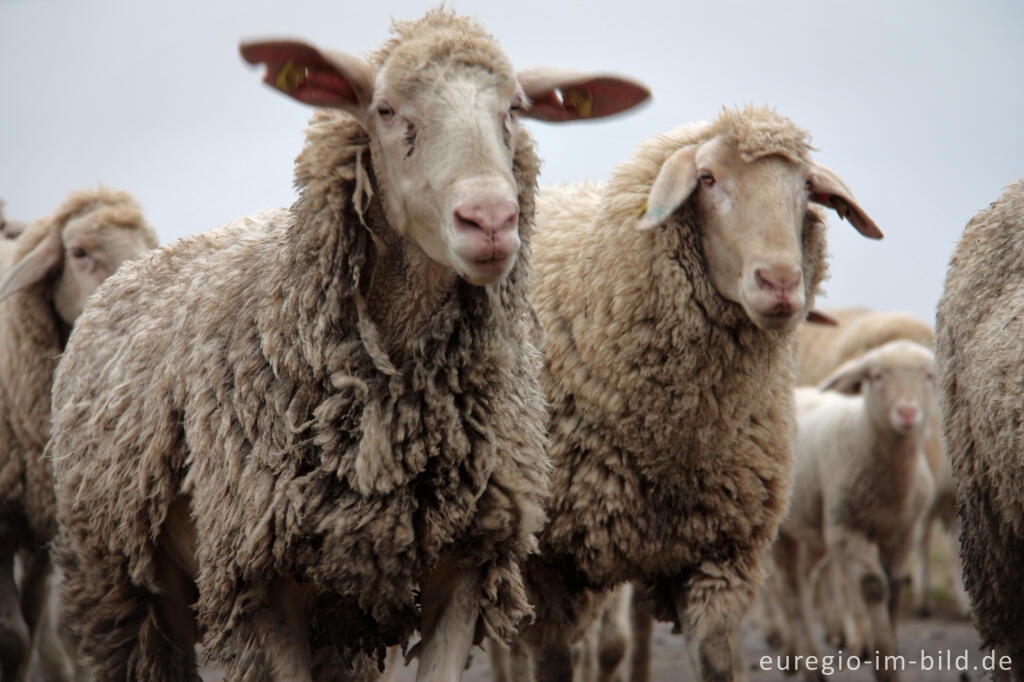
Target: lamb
column 52, row 269
column 979, row 326
column 664, row 335
column 353, row 449
column 866, row 427
column 821, row 350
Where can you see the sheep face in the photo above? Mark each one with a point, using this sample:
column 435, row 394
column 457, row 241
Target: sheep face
column 753, row 210
column 85, row 242
column 92, row 249
column 443, row 147
column 897, row 382
column 442, row 109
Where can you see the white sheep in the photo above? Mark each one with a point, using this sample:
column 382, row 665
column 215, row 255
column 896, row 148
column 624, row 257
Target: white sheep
column 306, row 435
column 979, row 327
column 860, row 491
column 819, row 351
column 664, row 335
column 46, row 275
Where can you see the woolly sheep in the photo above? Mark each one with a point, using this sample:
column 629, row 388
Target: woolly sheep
column 664, row 336
column 861, row 487
column 52, row 269
column 308, row 420
column 821, row 350
column 979, row 326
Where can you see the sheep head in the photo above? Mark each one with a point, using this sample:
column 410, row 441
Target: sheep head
column 897, row 381
column 79, row 246
column 753, row 206
column 441, row 104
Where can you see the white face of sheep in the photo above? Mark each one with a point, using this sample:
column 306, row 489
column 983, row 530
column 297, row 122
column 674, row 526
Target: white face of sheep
column 753, row 215
column 897, row 381
column 443, row 136
column 80, row 255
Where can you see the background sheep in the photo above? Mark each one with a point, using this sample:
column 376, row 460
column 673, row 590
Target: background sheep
column 53, row 268
column 979, row 327
column 664, row 335
column 9, row 229
column 820, row 350
column 362, row 423
column 861, row 487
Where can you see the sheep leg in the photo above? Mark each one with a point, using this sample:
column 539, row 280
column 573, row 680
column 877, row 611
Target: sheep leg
column 500, row 661
column 450, row 610
column 924, row 573
column 643, row 627
column 710, row 616
column 584, row 653
column 615, row 634
column 794, row 581
column 833, row 605
column 14, row 637
column 860, row 561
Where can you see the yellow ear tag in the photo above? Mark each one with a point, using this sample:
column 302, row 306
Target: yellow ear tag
column 840, row 206
column 290, row 77
column 643, row 210
column 581, row 101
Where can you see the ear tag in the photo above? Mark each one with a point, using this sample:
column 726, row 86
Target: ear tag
column 643, row 209
column 291, row 77
column 580, row 101
column 840, row 206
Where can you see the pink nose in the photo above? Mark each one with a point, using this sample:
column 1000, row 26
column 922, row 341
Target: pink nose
column 778, row 279
column 491, row 216
column 907, row 414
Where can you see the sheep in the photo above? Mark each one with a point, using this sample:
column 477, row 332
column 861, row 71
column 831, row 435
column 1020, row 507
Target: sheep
column 820, row 350
column 9, row 229
column 979, row 325
column 860, row 490
column 313, row 431
column 664, row 336
column 48, row 274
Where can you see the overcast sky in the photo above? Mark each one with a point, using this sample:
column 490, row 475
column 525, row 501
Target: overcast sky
column 919, row 106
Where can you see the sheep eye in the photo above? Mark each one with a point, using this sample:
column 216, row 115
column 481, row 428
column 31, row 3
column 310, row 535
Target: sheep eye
column 707, row 178
column 515, row 107
column 385, row 111
column 876, row 376
column 78, row 252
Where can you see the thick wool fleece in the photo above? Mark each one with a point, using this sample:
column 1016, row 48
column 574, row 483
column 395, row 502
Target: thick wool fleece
column 979, row 327
column 241, row 369
column 32, row 337
column 672, row 424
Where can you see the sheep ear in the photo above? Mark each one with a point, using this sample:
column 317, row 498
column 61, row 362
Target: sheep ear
column 557, row 95
column 34, row 266
column 675, row 183
column 818, row 317
column 316, row 77
column 828, row 189
column 847, row 378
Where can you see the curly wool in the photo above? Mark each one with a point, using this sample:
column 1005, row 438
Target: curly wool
column 305, row 450
column 669, row 461
column 979, row 327
column 32, row 337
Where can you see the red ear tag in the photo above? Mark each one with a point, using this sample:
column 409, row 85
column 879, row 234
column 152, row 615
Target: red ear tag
column 291, row 77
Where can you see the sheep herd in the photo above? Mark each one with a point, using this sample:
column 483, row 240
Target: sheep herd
column 449, row 406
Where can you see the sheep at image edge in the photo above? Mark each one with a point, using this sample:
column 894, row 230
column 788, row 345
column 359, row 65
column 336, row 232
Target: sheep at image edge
column 324, row 424
column 979, row 337
column 46, row 275
column 670, row 297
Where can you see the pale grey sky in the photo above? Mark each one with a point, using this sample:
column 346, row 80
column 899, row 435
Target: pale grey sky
column 917, row 105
